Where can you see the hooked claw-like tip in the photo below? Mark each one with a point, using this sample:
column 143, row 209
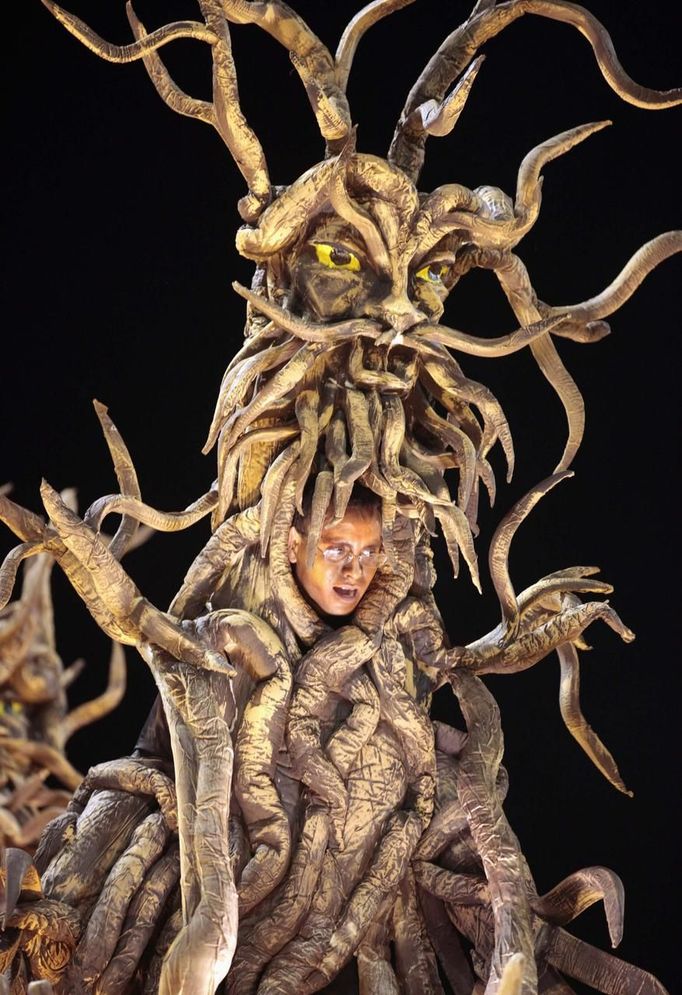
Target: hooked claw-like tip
column 48, row 492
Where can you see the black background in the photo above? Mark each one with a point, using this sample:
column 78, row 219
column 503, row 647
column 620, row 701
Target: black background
column 120, row 219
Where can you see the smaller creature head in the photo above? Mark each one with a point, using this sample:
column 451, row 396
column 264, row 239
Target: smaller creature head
column 346, row 557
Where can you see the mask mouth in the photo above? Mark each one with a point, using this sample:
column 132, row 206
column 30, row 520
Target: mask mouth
column 347, row 593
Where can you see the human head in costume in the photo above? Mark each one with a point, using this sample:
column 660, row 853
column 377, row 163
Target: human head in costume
column 336, row 572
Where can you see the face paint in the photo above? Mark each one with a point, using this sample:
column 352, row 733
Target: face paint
column 346, row 559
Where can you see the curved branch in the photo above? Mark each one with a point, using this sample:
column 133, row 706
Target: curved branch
column 229, row 119
column 356, row 29
column 136, row 50
column 127, row 480
column 407, row 150
column 563, row 383
column 25, row 524
column 578, row 892
column 515, row 282
column 224, row 113
column 309, row 56
column 331, row 332
column 355, row 215
column 498, row 554
column 488, row 656
column 572, row 579
column 474, row 345
column 104, row 703
column 596, row 968
column 167, row 88
column 10, row 565
column 646, row 259
column 162, row 521
column 577, row 724
column 112, row 597
column 529, row 183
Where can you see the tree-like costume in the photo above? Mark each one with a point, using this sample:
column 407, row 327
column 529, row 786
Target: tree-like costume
column 35, row 720
column 319, row 813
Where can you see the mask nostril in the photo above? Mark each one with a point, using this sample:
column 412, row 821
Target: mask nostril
column 401, row 321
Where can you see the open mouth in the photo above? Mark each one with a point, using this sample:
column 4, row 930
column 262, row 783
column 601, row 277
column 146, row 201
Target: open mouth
column 346, row 593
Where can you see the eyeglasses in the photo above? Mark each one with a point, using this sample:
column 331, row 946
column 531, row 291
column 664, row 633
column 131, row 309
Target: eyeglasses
column 344, row 555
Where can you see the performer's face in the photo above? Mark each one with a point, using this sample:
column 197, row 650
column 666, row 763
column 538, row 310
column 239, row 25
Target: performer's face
column 346, row 559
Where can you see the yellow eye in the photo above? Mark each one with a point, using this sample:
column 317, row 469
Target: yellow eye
column 336, row 257
column 16, row 707
column 433, row 273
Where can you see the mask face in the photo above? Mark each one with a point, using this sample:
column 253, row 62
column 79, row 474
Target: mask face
column 344, row 336
column 346, row 559
column 337, row 274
